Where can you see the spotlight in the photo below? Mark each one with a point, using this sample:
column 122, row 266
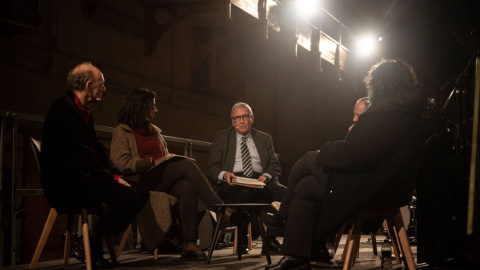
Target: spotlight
column 366, row 45
column 305, row 8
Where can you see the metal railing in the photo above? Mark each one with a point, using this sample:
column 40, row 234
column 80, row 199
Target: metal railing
column 10, row 122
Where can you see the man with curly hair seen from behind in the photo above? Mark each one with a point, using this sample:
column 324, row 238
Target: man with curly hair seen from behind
column 374, row 165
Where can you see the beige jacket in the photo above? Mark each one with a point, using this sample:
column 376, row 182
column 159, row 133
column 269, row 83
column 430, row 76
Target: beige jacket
column 124, row 152
column 155, row 219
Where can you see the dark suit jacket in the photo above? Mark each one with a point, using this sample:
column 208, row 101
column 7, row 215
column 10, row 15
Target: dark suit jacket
column 70, row 151
column 377, row 163
column 223, row 150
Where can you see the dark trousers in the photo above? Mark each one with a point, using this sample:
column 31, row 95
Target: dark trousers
column 306, row 190
column 120, row 203
column 303, row 168
column 123, row 204
column 184, row 180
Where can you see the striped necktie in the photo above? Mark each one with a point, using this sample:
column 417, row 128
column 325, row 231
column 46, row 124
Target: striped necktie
column 246, row 160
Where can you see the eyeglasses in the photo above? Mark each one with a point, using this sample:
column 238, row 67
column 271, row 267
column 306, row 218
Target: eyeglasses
column 245, row 117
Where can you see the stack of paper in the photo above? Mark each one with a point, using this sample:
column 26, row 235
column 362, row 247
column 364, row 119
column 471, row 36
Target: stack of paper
column 248, row 182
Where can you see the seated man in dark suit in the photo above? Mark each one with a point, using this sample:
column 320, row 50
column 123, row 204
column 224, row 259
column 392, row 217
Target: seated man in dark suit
column 277, row 220
column 256, row 159
column 75, row 168
column 374, row 164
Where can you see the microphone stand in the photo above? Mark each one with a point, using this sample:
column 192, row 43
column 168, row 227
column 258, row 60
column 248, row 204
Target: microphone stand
column 460, row 78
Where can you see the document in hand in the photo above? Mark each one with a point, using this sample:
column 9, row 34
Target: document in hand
column 172, row 158
column 248, row 182
column 178, row 157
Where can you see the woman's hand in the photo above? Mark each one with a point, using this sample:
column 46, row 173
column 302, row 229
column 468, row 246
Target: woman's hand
column 123, row 182
column 162, row 159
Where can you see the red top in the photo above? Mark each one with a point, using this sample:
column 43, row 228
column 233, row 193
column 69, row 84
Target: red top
column 148, row 145
column 85, row 111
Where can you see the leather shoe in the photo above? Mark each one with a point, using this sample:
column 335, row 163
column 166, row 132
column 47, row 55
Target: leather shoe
column 273, row 220
column 273, row 246
column 291, row 262
column 275, row 224
column 96, row 252
column 322, row 255
column 101, row 263
column 191, row 255
column 77, row 251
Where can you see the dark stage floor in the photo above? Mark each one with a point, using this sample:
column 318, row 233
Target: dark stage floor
column 224, row 259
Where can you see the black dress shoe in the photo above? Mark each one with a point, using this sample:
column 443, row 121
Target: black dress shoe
column 96, row 252
column 273, row 220
column 191, row 255
column 101, row 263
column 273, row 246
column 322, row 255
column 275, row 224
column 77, row 251
column 291, row 262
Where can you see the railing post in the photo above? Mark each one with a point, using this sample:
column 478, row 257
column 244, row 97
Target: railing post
column 2, row 199
column 13, row 238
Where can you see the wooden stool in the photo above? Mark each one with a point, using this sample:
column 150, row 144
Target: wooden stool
column 395, row 227
column 71, row 212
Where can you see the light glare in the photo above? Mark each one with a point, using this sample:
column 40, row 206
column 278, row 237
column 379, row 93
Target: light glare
column 306, row 7
column 366, row 45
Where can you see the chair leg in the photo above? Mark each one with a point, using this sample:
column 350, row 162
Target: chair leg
column 393, row 236
column 52, row 216
column 235, row 240
column 347, row 253
column 215, row 236
column 249, row 229
column 356, row 247
column 86, row 240
column 347, row 244
column 155, row 254
column 125, row 235
column 68, row 239
column 404, row 244
column 374, row 243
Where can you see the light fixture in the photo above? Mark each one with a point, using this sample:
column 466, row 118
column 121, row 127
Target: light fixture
column 366, row 45
column 305, row 8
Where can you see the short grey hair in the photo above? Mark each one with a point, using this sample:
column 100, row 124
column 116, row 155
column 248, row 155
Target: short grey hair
column 366, row 100
column 78, row 77
column 241, row 105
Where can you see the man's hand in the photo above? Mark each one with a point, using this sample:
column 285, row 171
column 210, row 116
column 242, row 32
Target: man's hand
column 263, row 178
column 123, row 182
column 228, row 176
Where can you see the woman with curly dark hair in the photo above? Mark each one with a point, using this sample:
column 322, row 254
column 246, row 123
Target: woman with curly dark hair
column 139, row 151
column 390, row 78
